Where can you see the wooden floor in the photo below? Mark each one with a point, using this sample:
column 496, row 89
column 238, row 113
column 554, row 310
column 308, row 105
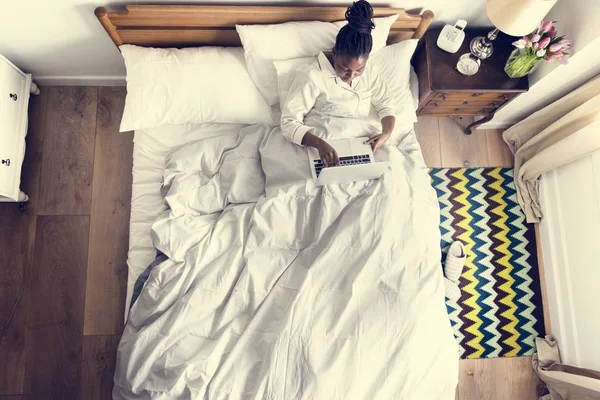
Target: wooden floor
column 63, row 261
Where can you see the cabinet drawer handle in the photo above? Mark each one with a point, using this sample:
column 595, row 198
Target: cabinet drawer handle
column 436, row 105
column 465, row 102
column 476, row 94
column 13, row 96
column 6, row 162
column 443, row 97
column 502, row 97
column 494, row 104
column 457, row 109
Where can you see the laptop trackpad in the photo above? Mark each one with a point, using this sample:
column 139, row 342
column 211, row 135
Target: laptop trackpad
column 351, row 173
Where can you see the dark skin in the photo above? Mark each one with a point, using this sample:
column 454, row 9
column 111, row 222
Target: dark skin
column 347, row 68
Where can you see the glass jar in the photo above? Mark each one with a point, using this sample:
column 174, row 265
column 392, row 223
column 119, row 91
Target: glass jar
column 522, row 62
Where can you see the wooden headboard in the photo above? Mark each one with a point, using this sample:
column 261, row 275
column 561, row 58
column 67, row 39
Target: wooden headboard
column 195, row 25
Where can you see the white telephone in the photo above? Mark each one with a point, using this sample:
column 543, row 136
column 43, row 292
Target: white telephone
column 451, row 37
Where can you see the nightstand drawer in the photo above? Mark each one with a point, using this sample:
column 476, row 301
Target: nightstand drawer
column 455, row 111
column 465, row 103
column 474, row 96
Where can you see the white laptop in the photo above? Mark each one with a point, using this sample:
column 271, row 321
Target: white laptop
column 356, row 163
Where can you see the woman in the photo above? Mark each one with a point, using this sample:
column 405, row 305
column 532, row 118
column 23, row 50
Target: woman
column 333, row 87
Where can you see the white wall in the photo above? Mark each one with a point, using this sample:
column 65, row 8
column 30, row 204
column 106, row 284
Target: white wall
column 63, row 38
column 578, row 19
column 570, row 200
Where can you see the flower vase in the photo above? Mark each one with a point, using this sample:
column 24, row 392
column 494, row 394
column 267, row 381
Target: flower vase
column 522, row 62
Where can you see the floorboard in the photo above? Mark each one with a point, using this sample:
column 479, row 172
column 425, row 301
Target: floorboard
column 57, row 302
column 498, row 152
column 99, row 359
column 17, row 238
column 428, row 135
column 109, row 221
column 68, row 160
column 460, row 150
column 497, row 379
column 14, row 297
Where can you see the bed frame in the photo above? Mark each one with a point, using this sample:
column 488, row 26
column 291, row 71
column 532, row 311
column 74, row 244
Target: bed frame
column 202, row 25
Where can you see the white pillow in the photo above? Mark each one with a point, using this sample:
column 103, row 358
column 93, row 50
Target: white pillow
column 264, row 44
column 286, row 72
column 392, row 63
column 195, row 85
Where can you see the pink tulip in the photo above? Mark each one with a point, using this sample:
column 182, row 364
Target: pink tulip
column 546, row 26
column 552, row 32
column 556, row 47
column 536, row 46
column 535, row 38
column 566, row 43
column 564, row 60
column 544, row 42
column 527, row 41
column 549, row 58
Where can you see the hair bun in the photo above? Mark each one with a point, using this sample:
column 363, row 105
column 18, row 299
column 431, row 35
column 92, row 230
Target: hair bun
column 359, row 17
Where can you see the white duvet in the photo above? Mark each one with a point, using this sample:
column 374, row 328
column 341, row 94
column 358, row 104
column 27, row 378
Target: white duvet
column 275, row 289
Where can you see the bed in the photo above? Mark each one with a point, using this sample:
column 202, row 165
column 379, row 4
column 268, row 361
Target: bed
column 264, row 343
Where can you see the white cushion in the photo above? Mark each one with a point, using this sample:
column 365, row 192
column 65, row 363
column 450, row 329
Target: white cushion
column 286, row 72
column 195, row 85
column 264, row 44
column 392, row 63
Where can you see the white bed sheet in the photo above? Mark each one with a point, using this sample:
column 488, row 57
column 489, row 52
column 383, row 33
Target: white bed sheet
column 151, row 146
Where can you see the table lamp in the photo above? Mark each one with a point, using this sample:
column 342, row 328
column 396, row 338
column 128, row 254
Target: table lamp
column 513, row 17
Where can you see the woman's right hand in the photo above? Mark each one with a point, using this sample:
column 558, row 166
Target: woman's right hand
column 328, row 154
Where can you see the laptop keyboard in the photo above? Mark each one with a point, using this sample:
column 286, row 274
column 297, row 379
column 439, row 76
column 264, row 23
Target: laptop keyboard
column 349, row 160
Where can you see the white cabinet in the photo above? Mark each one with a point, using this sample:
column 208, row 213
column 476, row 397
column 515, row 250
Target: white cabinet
column 15, row 87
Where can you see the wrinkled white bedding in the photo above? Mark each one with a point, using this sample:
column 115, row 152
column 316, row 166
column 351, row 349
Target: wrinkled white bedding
column 276, row 289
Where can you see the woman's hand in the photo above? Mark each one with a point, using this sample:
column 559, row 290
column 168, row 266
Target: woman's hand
column 328, row 154
column 379, row 140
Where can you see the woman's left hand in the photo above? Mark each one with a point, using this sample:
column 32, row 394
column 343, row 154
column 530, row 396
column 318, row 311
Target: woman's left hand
column 378, row 140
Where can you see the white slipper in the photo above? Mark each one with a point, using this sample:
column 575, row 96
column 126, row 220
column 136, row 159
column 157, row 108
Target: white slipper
column 451, row 289
column 455, row 261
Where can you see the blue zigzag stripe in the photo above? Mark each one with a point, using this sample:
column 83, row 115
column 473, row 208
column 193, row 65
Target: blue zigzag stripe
column 440, row 181
column 512, row 233
column 512, row 248
column 437, row 184
column 524, row 270
column 479, row 256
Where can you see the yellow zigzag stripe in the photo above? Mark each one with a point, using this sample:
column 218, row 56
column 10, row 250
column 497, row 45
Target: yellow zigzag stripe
column 508, row 300
column 468, row 273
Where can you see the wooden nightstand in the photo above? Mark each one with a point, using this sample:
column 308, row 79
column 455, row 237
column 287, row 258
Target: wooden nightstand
column 445, row 92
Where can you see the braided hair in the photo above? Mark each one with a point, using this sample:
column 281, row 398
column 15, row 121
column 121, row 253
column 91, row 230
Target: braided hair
column 355, row 37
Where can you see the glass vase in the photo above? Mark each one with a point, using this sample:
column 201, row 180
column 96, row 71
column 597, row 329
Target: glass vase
column 522, row 62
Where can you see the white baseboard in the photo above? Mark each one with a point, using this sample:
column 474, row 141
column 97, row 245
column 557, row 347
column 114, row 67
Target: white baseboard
column 85, row 80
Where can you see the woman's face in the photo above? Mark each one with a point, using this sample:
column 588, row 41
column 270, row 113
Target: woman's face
column 348, row 67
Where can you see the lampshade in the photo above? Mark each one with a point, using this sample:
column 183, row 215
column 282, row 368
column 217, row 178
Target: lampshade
column 518, row 17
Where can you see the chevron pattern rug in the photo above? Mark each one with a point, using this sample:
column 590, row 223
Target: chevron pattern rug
column 500, row 311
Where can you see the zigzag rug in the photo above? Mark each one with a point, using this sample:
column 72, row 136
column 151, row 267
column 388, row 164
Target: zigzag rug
column 499, row 313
